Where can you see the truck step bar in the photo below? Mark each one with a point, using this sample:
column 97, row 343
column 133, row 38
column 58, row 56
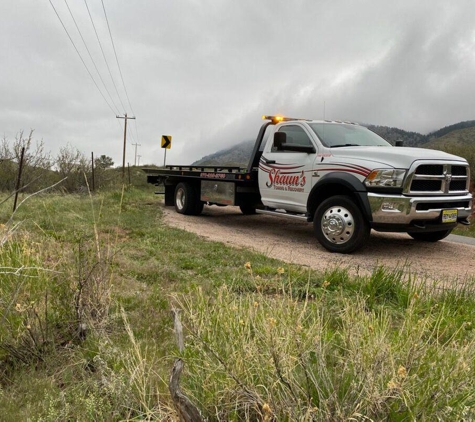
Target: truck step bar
column 282, row 213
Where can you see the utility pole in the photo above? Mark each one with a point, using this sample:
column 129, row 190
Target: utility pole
column 136, row 145
column 125, row 142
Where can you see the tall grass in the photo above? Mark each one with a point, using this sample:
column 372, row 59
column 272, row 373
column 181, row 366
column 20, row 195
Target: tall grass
column 331, row 357
column 86, row 288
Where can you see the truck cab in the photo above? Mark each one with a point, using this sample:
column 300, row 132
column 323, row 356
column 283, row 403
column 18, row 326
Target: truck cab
column 347, row 180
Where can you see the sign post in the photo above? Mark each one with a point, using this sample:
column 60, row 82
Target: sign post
column 166, row 144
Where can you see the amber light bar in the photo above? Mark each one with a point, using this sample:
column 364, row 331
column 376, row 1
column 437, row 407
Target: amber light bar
column 277, row 119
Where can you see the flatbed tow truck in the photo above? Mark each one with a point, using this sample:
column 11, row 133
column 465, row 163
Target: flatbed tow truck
column 339, row 175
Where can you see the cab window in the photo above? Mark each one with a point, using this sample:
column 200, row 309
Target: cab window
column 296, row 135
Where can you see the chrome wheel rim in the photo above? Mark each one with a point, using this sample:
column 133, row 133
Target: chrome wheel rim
column 180, row 198
column 338, row 225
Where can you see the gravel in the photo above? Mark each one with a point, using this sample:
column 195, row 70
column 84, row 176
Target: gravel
column 293, row 241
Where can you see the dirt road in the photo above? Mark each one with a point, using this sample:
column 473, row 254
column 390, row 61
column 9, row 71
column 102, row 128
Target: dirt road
column 293, row 241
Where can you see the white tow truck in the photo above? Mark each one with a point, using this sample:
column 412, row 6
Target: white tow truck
column 339, row 175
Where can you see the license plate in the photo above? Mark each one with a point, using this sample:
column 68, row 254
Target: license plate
column 449, row 216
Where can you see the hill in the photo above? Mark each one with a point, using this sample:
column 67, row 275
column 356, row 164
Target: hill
column 237, row 155
column 393, row 134
column 447, row 129
column 462, row 132
column 456, row 138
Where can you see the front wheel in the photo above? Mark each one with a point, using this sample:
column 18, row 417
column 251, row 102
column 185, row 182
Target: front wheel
column 430, row 236
column 186, row 200
column 340, row 225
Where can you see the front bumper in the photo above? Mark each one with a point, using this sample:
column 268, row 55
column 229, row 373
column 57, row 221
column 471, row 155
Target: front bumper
column 408, row 210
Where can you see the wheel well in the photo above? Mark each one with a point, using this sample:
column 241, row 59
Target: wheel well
column 318, row 195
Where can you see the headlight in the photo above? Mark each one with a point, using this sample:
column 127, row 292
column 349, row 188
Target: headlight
column 390, row 178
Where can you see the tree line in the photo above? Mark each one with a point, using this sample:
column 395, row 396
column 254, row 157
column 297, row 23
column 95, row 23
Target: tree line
column 40, row 169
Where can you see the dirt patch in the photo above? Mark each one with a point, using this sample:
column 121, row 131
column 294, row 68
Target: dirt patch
column 293, row 241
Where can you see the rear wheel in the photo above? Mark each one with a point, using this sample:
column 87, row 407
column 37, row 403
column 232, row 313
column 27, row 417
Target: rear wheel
column 340, row 225
column 186, row 200
column 430, row 236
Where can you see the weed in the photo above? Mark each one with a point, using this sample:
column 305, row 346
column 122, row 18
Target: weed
column 264, row 340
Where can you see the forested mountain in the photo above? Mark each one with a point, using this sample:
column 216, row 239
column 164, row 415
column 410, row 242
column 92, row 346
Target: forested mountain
column 393, row 134
column 450, row 137
column 447, row 129
column 237, row 155
column 462, row 138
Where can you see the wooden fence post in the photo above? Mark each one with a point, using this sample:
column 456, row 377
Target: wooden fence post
column 18, row 180
column 187, row 411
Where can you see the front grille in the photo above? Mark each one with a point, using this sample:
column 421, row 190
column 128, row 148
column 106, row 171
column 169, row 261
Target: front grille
column 426, row 206
column 430, row 169
column 458, row 185
column 459, row 171
column 438, row 179
column 426, row 185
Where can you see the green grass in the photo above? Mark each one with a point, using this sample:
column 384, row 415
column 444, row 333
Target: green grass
column 264, row 340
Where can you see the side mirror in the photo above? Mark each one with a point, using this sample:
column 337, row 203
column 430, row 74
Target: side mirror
column 399, row 143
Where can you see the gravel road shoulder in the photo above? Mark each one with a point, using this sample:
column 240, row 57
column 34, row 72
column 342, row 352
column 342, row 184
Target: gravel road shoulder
column 293, row 241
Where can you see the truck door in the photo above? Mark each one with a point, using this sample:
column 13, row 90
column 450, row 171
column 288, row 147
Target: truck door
column 285, row 177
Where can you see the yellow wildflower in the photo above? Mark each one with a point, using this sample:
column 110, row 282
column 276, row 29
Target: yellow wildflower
column 247, row 265
column 267, row 412
column 326, row 283
column 392, row 385
column 280, row 270
column 402, row 372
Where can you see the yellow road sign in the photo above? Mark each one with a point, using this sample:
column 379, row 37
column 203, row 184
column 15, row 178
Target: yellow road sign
column 166, row 141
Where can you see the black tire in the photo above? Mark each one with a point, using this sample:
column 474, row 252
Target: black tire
column 186, row 200
column 430, row 236
column 340, row 225
column 247, row 209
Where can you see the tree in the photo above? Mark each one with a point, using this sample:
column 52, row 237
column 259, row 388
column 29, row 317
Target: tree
column 36, row 163
column 103, row 162
column 74, row 166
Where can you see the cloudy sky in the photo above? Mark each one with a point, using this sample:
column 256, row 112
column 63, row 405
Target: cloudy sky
column 204, row 71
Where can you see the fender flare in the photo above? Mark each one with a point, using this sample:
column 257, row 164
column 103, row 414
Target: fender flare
column 349, row 183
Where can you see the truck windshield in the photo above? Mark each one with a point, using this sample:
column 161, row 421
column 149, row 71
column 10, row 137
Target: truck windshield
column 336, row 135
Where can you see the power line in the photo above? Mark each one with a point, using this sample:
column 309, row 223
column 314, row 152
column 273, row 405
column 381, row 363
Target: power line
column 82, row 60
column 92, row 59
column 136, row 130
column 120, row 70
column 103, row 55
column 116, row 58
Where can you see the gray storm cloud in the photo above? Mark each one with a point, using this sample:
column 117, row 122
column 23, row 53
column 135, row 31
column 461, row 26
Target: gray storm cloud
column 205, row 71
